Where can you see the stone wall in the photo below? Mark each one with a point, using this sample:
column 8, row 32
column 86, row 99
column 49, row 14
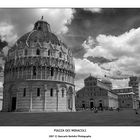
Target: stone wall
column 126, row 101
column 30, row 100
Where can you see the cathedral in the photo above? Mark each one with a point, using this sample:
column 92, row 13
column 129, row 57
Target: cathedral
column 39, row 73
column 98, row 93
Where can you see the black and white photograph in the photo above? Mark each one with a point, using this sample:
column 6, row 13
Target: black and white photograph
column 69, row 67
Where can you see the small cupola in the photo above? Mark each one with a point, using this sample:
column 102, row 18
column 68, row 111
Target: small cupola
column 42, row 25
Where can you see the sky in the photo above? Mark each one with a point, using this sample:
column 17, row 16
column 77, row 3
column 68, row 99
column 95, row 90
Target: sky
column 106, row 41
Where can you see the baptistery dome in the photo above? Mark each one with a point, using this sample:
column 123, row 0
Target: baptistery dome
column 107, row 82
column 39, row 73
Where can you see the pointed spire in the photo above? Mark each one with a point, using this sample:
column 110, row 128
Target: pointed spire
column 42, row 18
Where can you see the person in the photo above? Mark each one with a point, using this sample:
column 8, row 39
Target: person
column 96, row 110
column 118, row 109
column 136, row 111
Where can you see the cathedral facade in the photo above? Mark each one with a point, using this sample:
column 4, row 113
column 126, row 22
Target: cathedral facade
column 97, row 93
column 39, row 73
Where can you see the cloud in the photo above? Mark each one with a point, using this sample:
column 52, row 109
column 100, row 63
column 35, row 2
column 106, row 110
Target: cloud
column 126, row 44
column 84, row 68
column 124, row 48
column 23, row 19
column 79, row 84
column 8, row 37
column 57, row 18
column 89, row 43
column 99, row 60
column 7, row 33
column 93, row 10
column 16, row 22
column 120, row 83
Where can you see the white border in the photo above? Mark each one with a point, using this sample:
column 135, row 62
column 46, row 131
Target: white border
column 42, row 133
column 70, row 3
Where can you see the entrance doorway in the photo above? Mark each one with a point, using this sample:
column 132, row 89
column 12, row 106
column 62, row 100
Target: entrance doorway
column 91, row 105
column 83, row 106
column 100, row 105
column 13, row 104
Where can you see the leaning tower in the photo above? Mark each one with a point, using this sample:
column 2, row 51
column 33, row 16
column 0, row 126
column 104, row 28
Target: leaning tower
column 39, row 73
column 134, row 82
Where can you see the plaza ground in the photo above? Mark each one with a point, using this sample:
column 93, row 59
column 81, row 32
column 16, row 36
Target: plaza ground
column 86, row 118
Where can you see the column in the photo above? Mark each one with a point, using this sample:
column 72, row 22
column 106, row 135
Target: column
column 26, row 72
column 45, row 92
column 45, row 72
column 73, row 101
column 41, row 71
column 66, row 100
column 31, row 72
column 57, row 103
column 21, row 72
column 30, row 98
column 17, row 72
column 17, row 92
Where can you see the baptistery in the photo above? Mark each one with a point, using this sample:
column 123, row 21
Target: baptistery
column 39, row 73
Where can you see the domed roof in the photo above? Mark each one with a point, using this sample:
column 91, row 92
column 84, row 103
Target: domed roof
column 40, row 33
column 40, row 36
column 106, row 81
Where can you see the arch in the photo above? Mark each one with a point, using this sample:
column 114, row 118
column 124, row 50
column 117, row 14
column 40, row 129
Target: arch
column 63, row 90
column 34, row 70
column 60, row 54
column 52, row 71
column 37, row 52
column 35, row 39
column 25, row 52
column 13, row 96
column 49, row 52
column 83, row 104
column 39, row 27
column 100, row 103
column 70, row 90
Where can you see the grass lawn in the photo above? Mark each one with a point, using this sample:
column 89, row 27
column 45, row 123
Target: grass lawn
column 86, row 118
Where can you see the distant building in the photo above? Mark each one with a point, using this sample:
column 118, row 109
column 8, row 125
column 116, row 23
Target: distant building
column 99, row 93
column 135, row 84
column 1, row 98
column 125, row 97
column 96, row 93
